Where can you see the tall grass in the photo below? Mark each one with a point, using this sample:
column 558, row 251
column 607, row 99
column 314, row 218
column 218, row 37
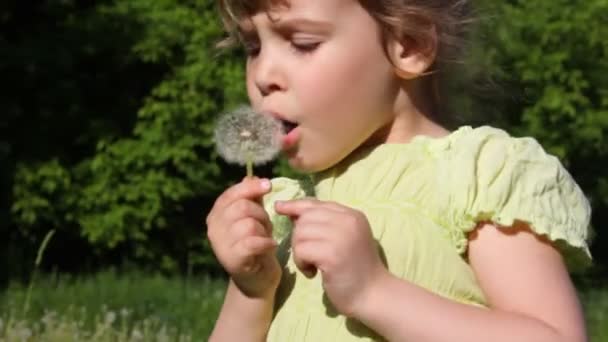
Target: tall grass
column 595, row 302
column 41, row 250
column 135, row 306
column 111, row 307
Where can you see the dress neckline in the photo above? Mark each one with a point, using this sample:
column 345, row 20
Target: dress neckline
column 420, row 142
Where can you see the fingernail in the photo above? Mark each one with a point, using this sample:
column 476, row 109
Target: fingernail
column 265, row 184
column 278, row 203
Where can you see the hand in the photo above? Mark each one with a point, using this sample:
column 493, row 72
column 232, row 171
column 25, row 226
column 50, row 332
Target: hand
column 336, row 240
column 240, row 233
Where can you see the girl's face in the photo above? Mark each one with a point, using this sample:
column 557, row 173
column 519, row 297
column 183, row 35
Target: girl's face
column 320, row 64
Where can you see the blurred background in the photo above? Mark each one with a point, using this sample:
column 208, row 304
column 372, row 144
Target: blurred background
column 106, row 118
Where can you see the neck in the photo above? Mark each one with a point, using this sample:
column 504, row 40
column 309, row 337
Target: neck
column 413, row 115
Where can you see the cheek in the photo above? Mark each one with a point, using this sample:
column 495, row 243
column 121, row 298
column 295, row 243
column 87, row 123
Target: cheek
column 346, row 82
column 252, row 91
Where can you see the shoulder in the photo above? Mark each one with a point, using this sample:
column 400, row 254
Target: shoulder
column 488, row 144
column 495, row 177
column 492, row 158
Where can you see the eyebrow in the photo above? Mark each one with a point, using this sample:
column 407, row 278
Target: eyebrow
column 303, row 22
column 290, row 24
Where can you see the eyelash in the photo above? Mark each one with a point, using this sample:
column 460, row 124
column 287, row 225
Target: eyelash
column 304, row 48
column 253, row 49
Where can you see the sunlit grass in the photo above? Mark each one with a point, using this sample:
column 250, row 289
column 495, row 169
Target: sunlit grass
column 595, row 301
column 111, row 307
column 143, row 307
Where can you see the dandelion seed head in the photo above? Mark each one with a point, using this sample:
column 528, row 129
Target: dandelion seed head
column 245, row 134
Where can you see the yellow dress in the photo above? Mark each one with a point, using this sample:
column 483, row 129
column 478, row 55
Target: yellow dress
column 421, row 199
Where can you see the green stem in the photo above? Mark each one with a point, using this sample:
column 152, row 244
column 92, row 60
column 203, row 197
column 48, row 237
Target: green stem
column 249, row 168
column 41, row 249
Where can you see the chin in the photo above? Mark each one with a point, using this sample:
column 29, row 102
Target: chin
column 307, row 166
column 300, row 166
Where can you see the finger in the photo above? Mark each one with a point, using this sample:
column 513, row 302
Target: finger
column 245, row 228
column 312, row 232
column 249, row 249
column 250, row 188
column 319, row 216
column 336, row 206
column 245, row 208
column 252, row 246
column 308, row 257
column 295, row 208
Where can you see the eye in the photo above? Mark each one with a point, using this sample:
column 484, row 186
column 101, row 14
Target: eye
column 304, row 47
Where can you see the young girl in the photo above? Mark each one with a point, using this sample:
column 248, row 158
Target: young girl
column 414, row 233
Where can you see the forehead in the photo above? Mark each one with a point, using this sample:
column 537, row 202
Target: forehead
column 239, row 10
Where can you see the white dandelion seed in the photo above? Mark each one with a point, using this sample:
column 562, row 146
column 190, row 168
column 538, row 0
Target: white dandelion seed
column 247, row 137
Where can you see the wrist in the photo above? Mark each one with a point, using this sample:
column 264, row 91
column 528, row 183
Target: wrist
column 369, row 300
column 265, row 292
column 243, row 317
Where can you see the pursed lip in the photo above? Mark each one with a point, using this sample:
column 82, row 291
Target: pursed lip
column 278, row 116
column 290, row 133
column 287, row 125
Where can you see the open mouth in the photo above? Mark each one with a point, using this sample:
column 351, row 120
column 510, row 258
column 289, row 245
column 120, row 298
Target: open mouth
column 288, row 126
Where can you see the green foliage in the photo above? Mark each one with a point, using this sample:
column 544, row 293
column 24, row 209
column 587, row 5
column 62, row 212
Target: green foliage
column 549, row 59
column 133, row 183
column 39, row 192
column 110, row 107
column 556, row 53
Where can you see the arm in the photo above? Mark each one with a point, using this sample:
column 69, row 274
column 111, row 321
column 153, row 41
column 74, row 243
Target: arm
column 240, row 234
column 524, row 278
column 243, row 318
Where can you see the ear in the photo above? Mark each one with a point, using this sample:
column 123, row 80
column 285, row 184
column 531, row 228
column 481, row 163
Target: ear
column 412, row 58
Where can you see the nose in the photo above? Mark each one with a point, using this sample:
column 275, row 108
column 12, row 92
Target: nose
column 268, row 72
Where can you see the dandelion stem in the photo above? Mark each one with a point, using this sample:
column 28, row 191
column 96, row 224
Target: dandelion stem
column 249, row 168
column 41, row 249
column 249, row 155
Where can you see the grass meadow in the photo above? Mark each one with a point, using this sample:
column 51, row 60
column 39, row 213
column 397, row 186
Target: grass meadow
column 135, row 306
column 111, row 307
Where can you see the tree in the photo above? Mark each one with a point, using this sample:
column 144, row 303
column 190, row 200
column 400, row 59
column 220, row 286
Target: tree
column 549, row 59
column 127, row 190
column 123, row 95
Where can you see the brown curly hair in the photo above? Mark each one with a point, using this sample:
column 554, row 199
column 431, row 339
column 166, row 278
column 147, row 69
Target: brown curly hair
column 443, row 25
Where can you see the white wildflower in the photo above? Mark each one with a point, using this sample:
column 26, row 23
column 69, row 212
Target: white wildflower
column 136, row 335
column 247, row 137
column 110, row 317
column 162, row 335
column 49, row 318
column 25, row 334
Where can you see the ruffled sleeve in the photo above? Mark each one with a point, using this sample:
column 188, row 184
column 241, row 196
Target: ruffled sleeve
column 505, row 180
